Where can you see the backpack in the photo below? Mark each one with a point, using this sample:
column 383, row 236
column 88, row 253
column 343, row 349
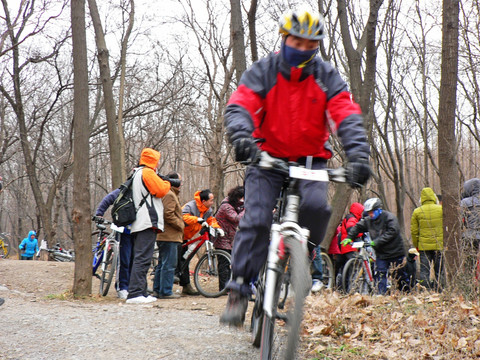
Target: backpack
column 123, row 209
column 343, row 225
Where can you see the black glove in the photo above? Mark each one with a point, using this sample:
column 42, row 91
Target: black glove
column 245, row 149
column 358, row 172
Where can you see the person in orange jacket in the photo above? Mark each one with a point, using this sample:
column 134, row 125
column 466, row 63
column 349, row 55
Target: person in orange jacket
column 148, row 189
column 195, row 213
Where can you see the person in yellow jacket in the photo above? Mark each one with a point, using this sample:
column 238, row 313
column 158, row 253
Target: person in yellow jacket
column 195, row 213
column 426, row 229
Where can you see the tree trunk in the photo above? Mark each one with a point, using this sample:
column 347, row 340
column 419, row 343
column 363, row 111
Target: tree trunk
column 449, row 179
column 103, row 56
column 252, row 13
column 238, row 39
column 82, row 283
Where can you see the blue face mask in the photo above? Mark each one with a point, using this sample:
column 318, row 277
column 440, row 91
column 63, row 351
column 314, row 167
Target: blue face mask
column 376, row 214
column 297, row 57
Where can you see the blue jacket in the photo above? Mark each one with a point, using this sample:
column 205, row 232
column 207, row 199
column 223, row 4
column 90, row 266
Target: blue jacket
column 29, row 245
column 106, row 202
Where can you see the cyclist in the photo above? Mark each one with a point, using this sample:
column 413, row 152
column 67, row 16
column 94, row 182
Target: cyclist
column 285, row 105
column 387, row 241
column 196, row 213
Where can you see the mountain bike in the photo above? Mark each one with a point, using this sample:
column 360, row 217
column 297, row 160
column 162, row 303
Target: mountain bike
column 213, row 270
column 287, row 265
column 328, row 271
column 4, row 245
column 105, row 252
column 359, row 272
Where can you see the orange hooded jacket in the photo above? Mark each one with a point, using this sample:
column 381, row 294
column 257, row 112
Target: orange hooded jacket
column 191, row 212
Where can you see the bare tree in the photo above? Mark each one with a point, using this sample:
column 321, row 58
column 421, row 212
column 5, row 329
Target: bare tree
column 117, row 162
column 449, row 180
column 238, row 38
column 82, row 283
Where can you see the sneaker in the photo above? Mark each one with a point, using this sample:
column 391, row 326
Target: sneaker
column 122, row 294
column 234, row 313
column 189, row 290
column 171, row 296
column 151, row 298
column 317, row 286
column 139, row 300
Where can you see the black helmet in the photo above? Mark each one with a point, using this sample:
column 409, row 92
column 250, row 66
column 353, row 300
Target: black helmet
column 372, row 204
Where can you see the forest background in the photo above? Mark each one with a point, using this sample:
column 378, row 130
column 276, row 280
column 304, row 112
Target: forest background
column 160, row 75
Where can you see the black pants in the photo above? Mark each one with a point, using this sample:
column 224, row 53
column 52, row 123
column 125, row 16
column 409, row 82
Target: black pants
column 426, row 258
column 223, row 270
column 143, row 245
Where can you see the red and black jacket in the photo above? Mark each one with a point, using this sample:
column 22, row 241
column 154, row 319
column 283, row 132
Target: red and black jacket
column 290, row 108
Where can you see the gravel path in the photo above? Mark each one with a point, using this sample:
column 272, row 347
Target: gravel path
column 39, row 326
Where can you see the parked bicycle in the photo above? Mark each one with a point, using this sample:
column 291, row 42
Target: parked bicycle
column 57, row 253
column 4, row 245
column 213, row 269
column 328, row 271
column 359, row 272
column 105, row 252
column 287, row 264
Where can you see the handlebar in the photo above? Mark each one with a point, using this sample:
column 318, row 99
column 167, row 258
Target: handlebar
column 293, row 169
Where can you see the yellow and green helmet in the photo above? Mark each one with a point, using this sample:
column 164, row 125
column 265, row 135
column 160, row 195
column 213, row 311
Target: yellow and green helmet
column 302, row 23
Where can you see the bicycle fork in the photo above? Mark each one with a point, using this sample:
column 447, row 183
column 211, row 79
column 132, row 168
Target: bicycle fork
column 277, row 253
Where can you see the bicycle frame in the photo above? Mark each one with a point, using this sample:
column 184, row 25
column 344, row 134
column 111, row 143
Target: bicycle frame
column 365, row 256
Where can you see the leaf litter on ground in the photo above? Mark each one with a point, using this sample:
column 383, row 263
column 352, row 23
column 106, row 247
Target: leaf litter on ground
column 421, row 325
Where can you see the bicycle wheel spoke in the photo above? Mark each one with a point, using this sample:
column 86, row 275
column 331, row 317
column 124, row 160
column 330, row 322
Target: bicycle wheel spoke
column 212, row 273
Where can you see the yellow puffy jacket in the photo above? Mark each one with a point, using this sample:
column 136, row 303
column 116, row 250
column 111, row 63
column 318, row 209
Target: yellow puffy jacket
column 426, row 227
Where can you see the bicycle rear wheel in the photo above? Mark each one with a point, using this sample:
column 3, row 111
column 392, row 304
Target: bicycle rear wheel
column 109, row 269
column 328, row 276
column 4, row 246
column 354, row 277
column 212, row 273
column 256, row 321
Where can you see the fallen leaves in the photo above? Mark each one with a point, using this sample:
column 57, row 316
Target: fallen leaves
column 423, row 325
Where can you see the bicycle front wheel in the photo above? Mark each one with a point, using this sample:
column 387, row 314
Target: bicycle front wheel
column 212, row 273
column 354, row 277
column 283, row 342
column 256, row 321
column 4, row 246
column 328, row 276
column 109, row 269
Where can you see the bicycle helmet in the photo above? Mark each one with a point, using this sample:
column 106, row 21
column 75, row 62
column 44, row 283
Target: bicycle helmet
column 372, row 204
column 305, row 24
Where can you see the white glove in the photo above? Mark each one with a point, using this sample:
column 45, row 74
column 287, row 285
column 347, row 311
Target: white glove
column 201, row 220
column 204, row 224
column 220, row 232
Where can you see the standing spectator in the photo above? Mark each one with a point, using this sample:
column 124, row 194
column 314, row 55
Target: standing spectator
column 386, row 240
column 285, row 105
column 426, row 229
column 228, row 216
column 29, row 245
column 347, row 251
column 470, row 211
column 168, row 241
column 126, row 246
column 149, row 186
column 195, row 213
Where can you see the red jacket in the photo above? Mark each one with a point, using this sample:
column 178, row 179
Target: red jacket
column 292, row 108
column 356, row 209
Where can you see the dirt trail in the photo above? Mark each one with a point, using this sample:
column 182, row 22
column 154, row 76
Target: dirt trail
column 41, row 321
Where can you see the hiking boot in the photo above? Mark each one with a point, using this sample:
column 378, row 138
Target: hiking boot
column 234, row 313
column 189, row 290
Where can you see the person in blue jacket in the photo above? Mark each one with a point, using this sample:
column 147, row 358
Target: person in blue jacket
column 29, row 245
column 126, row 246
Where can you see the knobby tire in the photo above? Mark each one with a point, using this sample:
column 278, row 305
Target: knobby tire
column 354, row 277
column 256, row 322
column 110, row 267
column 328, row 276
column 207, row 277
